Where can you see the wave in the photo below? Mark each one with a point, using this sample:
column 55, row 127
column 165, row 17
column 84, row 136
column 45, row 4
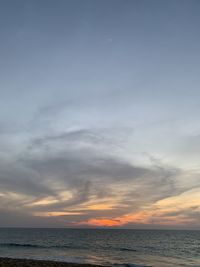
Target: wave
column 20, row 245
column 128, row 249
column 69, row 246
column 27, row 245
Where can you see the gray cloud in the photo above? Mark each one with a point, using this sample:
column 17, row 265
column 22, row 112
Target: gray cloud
column 87, row 172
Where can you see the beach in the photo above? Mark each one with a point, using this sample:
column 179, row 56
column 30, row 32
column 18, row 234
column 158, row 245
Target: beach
column 9, row 262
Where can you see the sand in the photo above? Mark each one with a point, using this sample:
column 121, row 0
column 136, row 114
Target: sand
column 8, row 262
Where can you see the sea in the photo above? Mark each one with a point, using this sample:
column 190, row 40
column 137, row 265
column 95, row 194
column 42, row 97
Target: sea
column 113, row 247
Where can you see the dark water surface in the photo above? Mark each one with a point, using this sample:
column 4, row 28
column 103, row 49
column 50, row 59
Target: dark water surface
column 161, row 248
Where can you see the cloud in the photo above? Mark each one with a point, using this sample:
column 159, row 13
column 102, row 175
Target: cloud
column 60, row 175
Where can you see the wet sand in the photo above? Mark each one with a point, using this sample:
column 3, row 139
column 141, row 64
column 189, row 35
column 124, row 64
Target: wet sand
column 8, row 262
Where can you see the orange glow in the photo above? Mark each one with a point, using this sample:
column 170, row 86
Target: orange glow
column 119, row 221
column 170, row 211
column 44, row 202
column 100, row 207
column 102, row 222
column 143, row 217
column 56, row 213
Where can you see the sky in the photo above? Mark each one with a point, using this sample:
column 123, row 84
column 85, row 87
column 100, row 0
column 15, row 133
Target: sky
column 99, row 113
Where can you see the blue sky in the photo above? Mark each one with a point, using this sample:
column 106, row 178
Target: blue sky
column 99, row 109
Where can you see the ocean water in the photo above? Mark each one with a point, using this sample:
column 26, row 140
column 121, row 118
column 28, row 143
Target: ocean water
column 160, row 248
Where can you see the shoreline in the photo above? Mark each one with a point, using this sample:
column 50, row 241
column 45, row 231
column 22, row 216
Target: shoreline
column 14, row 262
